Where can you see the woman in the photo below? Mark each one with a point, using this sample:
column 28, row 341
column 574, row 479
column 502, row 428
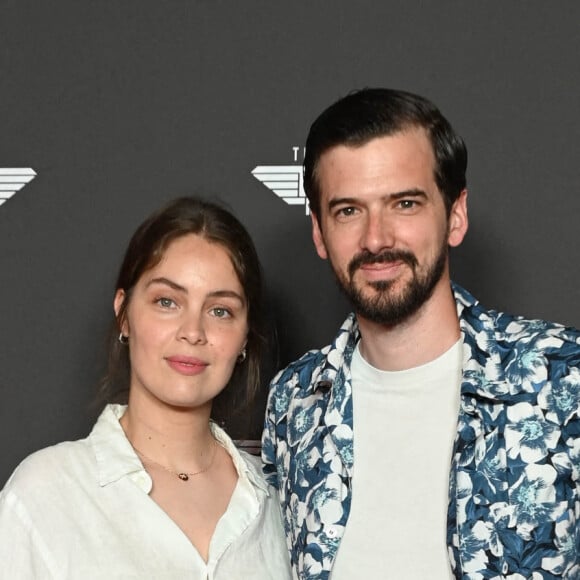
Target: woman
column 157, row 490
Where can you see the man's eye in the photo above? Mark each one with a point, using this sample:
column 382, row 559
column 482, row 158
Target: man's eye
column 407, row 203
column 346, row 211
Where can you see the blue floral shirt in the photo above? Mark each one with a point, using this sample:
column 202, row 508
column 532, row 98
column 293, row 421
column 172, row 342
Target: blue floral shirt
column 514, row 497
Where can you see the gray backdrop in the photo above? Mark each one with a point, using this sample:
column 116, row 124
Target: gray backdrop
column 120, row 106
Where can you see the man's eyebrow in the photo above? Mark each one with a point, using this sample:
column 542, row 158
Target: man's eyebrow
column 413, row 192
column 342, row 201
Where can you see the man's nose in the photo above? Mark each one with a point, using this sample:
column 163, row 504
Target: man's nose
column 379, row 232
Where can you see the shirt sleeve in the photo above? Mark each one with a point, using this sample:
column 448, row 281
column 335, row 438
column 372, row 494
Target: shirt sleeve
column 269, row 440
column 23, row 553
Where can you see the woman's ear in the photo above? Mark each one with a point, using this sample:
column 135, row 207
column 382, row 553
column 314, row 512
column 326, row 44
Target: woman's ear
column 118, row 302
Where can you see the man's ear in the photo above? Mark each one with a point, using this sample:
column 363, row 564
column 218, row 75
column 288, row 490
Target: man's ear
column 317, row 238
column 458, row 221
column 118, row 301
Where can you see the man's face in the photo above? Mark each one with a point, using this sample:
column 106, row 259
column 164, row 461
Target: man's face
column 383, row 224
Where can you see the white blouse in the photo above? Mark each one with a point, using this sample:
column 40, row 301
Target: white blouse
column 81, row 509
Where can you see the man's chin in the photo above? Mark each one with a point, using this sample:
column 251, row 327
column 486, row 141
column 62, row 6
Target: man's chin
column 388, row 287
column 384, row 296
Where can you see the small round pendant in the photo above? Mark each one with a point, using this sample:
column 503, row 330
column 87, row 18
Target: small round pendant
column 183, row 476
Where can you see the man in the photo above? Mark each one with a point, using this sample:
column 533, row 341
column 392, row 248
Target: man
column 433, row 439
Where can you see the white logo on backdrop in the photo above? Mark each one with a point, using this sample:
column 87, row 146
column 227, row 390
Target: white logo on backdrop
column 13, row 179
column 285, row 181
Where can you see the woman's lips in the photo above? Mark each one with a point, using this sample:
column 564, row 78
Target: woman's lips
column 186, row 365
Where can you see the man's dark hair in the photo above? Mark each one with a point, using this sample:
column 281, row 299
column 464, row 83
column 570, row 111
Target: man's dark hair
column 370, row 113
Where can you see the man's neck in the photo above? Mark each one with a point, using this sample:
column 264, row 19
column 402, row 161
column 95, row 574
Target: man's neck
column 426, row 335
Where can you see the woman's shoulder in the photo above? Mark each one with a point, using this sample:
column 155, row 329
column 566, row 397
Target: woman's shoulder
column 55, row 466
column 251, row 460
column 72, row 463
column 254, row 472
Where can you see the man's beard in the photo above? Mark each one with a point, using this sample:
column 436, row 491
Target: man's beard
column 385, row 307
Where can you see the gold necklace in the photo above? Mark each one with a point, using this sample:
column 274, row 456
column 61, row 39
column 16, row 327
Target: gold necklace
column 183, row 475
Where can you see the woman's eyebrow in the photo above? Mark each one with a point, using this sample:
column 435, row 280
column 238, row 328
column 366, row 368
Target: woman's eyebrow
column 167, row 282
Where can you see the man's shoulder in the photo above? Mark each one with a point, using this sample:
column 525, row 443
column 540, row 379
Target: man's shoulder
column 512, row 328
column 517, row 329
column 320, row 364
column 301, row 370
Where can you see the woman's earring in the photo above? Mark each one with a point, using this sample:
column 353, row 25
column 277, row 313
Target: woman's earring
column 242, row 356
column 123, row 339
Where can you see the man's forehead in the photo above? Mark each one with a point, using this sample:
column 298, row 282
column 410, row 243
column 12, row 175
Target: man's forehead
column 414, row 134
column 405, row 152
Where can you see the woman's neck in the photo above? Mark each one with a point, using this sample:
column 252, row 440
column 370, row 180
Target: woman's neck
column 177, row 438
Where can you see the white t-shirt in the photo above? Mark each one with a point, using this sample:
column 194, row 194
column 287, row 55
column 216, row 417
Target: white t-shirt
column 404, row 427
column 81, row 510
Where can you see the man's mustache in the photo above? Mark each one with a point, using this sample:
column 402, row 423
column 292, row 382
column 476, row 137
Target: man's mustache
column 366, row 257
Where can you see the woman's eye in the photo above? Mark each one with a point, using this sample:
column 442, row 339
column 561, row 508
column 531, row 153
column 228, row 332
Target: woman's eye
column 166, row 302
column 220, row 312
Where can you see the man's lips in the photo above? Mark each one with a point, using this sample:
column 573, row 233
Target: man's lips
column 381, row 270
column 385, row 262
column 381, row 265
column 186, row 365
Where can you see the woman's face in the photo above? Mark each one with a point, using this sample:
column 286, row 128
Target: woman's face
column 187, row 323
